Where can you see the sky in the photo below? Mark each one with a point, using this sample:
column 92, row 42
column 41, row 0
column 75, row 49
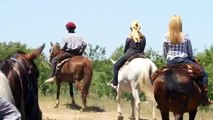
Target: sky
column 103, row 22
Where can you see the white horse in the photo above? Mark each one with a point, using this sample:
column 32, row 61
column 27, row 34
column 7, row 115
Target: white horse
column 135, row 78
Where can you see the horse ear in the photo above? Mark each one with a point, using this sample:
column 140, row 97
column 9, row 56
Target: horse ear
column 57, row 43
column 51, row 44
column 35, row 53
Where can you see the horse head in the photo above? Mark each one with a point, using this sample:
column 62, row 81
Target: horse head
column 55, row 50
column 23, row 74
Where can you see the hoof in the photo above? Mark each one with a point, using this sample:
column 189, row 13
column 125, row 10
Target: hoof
column 83, row 109
column 132, row 118
column 120, row 117
column 56, row 106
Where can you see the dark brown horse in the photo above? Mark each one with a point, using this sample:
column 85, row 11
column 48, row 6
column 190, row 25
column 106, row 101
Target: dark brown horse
column 176, row 90
column 78, row 70
column 23, row 74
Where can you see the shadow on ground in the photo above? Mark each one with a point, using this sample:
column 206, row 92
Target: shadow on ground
column 87, row 109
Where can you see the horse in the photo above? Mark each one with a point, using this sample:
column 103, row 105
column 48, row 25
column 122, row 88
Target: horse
column 176, row 90
column 22, row 75
column 134, row 78
column 78, row 70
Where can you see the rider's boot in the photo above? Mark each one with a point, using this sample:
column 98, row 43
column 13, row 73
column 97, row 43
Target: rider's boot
column 53, row 78
column 204, row 90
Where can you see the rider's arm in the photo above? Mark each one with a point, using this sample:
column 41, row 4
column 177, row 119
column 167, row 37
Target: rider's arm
column 64, row 44
column 189, row 48
column 165, row 50
column 126, row 47
column 8, row 111
column 143, row 44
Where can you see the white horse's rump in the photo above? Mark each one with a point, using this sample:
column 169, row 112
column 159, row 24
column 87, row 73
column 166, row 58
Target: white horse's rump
column 135, row 78
column 5, row 90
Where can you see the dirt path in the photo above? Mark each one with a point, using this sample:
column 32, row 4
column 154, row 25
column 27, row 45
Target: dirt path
column 98, row 109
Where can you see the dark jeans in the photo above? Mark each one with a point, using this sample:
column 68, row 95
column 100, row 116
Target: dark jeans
column 58, row 59
column 117, row 66
column 203, row 81
column 54, row 62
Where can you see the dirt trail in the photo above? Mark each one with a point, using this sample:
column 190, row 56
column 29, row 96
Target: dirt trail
column 98, row 109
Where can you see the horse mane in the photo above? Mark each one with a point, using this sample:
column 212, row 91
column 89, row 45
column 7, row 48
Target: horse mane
column 27, row 80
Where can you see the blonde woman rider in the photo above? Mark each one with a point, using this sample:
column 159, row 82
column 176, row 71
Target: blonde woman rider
column 177, row 48
column 135, row 43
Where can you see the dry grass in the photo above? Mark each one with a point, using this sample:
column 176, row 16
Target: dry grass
column 98, row 109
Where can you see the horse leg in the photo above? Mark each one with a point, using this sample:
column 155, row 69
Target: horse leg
column 192, row 114
column 71, row 93
column 135, row 94
column 118, row 99
column 165, row 115
column 151, row 99
column 57, row 94
column 133, row 107
column 153, row 111
column 178, row 116
column 84, row 91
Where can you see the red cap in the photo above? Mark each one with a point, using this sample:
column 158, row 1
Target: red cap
column 70, row 25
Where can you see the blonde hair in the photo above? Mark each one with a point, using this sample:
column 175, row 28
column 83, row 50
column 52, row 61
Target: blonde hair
column 175, row 34
column 135, row 33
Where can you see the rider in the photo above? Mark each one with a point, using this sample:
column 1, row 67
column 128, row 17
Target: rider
column 177, row 48
column 135, row 43
column 72, row 45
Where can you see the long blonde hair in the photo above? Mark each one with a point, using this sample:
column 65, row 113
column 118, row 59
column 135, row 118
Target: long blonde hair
column 135, row 33
column 175, row 34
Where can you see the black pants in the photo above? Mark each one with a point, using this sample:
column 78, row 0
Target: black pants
column 57, row 60
column 117, row 66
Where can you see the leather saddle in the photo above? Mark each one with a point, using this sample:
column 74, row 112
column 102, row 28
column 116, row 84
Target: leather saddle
column 193, row 71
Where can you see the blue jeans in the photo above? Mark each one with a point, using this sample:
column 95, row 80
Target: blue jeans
column 203, row 81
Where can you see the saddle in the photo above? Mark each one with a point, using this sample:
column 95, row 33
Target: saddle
column 193, row 71
column 136, row 55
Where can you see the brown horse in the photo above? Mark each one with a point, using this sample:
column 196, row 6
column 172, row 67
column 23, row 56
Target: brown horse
column 23, row 74
column 77, row 69
column 176, row 90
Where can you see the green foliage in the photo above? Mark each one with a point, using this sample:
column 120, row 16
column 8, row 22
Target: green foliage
column 155, row 57
column 95, row 53
column 102, row 75
column 117, row 53
column 10, row 48
column 205, row 58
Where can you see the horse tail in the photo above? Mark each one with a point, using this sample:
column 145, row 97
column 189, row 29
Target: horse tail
column 88, row 73
column 173, row 84
column 145, row 81
column 152, row 69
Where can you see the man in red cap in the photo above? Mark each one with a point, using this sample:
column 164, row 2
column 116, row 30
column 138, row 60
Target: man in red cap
column 72, row 44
